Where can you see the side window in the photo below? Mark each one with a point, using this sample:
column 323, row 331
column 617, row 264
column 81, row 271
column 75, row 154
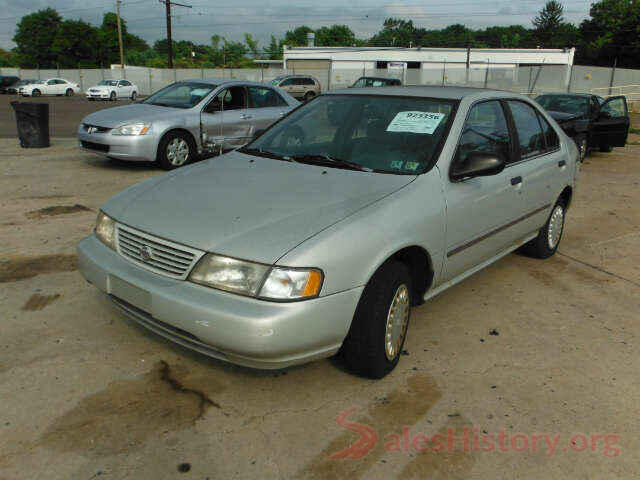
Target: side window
column 550, row 136
column 309, row 81
column 61, row 82
column 286, row 82
column 261, row 97
column 233, row 98
column 51, row 82
column 528, row 128
column 298, row 81
column 595, row 106
column 615, row 107
column 485, row 130
column 125, row 83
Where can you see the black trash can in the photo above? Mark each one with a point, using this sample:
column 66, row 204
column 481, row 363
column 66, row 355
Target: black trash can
column 33, row 124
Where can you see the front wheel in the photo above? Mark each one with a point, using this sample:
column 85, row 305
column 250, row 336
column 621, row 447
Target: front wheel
column 583, row 146
column 36, row 93
column 112, row 97
column 379, row 328
column 69, row 92
column 549, row 236
column 175, row 150
column 134, row 96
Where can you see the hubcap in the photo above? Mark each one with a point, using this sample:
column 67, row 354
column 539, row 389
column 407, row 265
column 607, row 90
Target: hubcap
column 178, row 151
column 583, row 148
column 397, row 320
column 556, row 223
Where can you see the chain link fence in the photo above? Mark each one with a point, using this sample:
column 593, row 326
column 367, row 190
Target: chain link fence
column 530, row 80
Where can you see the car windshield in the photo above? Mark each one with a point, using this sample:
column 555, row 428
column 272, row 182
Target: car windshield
column 181, row 95
column 361, row 132
column 565, row 103
column 109, row 83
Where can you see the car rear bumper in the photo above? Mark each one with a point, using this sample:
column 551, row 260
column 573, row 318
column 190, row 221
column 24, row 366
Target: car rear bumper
column 237, row 329
column 140, row 148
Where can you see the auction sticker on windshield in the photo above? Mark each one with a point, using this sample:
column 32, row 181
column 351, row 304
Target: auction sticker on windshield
column 415, row 122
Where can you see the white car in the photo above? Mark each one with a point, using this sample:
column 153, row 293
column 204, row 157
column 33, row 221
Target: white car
column 113, row 90
column 51, row 86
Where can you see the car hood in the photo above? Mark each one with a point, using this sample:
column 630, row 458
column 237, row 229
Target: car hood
column 248, row 207
column 563, row 116
column 101, row 87
column 114, row 117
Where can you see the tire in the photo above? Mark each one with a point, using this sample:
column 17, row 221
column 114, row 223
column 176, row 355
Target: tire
column 91, row 99
column 112, row 97
column 546, row 243
column 134, row 96
column 171, row 153
column 583, row 146
column 365, row 350
column 606, row 148
column 36, row 93
column 308, row 96
column 69, row 92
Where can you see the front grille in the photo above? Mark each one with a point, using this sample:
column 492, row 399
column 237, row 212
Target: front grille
column 94, row 128
column 95, row 146
column 156, row 254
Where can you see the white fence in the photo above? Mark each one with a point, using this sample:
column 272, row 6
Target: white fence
column 524, row 79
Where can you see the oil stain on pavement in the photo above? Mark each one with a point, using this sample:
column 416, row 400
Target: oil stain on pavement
column 122, row 417
column 403, row 407
column 56, row 210
column 19, row 267
column 38, row 302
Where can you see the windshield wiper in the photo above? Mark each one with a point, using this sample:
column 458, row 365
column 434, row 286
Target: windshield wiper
column 323, row 159
column 258, row 152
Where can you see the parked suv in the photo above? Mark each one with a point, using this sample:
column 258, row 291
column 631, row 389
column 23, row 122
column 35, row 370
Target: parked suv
column 320, row 235
column 302, row 87
column 376, row 82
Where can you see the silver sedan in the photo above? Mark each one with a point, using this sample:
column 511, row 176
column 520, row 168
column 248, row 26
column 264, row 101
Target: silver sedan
column 184, row 120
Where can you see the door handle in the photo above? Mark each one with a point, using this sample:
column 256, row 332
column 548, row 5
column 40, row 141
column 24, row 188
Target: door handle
column 562, row 163
column 244, row 116
column 516, row 180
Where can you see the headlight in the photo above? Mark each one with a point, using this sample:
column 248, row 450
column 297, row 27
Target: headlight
column 106, row 230
column 133, row 129
column 256, row 279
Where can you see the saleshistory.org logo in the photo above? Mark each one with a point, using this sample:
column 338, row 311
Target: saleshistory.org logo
column 471, row 439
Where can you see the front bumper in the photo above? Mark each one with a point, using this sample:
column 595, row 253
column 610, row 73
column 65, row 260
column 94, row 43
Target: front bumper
column 98, row 95
column 237, row 329
column 138, row 148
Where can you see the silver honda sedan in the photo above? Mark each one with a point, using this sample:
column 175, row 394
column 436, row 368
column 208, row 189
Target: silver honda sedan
column 184, row 120
column 286, row 251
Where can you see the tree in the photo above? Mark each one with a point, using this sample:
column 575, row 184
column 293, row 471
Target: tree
column 335, row 36
column 252, row 45
column 611, row 32
column 35, row 33
column 8, row 59
column 548, row 22
column 109, row 46
column 274, row 50
column 74, row 44
column 395, row 33
column 297, row 37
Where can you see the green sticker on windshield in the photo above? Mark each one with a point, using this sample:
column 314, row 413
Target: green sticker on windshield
column 396, row 164
column 411, row 165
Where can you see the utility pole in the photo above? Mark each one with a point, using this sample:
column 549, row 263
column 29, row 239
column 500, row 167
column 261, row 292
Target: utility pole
column 168, row 4
column 120, row 37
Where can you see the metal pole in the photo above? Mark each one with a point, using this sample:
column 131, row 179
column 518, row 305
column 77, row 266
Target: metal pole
column 444, row 68
column 468, row 65
column 169, row 43
column 486, row 75
column 613, row 73
column 120, row 36
column 570, row 78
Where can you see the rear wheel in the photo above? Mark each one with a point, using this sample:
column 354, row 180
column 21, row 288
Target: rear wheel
column 175, row 150
column 69, row 92
column 308, row 96
column 549, row 236
column 605, row 148
column 36, row 93
column 379, row 328
column 134, row 96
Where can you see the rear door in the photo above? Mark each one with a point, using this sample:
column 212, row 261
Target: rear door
column 481, row 211
column 288, row 86
column 540, row 165
column 612, row 124
column 266, row 107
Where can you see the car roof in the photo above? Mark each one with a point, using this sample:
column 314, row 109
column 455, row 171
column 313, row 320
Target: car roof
column 566, row 94
column 222, row 81
column 379, row 78
column 450, row 93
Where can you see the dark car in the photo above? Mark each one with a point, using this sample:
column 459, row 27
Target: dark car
column 21, row 83
column 591, row 121
column 376, row 82
column 7, row 82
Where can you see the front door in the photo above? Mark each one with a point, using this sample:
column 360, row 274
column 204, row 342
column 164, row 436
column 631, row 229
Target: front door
column 612, row 124
column 226, row 119
column 480, row 210
column 266, row 105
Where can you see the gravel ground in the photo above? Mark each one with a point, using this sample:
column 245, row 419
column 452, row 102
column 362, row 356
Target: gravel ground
column 524, row 347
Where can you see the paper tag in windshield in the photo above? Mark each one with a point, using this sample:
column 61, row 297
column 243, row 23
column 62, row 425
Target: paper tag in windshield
column 415, row 122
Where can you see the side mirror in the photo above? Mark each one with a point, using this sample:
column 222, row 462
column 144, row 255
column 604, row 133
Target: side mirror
column 478, row 164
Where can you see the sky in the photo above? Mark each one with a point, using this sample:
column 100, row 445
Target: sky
column 263, row 18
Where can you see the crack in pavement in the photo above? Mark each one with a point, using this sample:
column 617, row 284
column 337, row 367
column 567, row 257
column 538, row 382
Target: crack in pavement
column 600, row 269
